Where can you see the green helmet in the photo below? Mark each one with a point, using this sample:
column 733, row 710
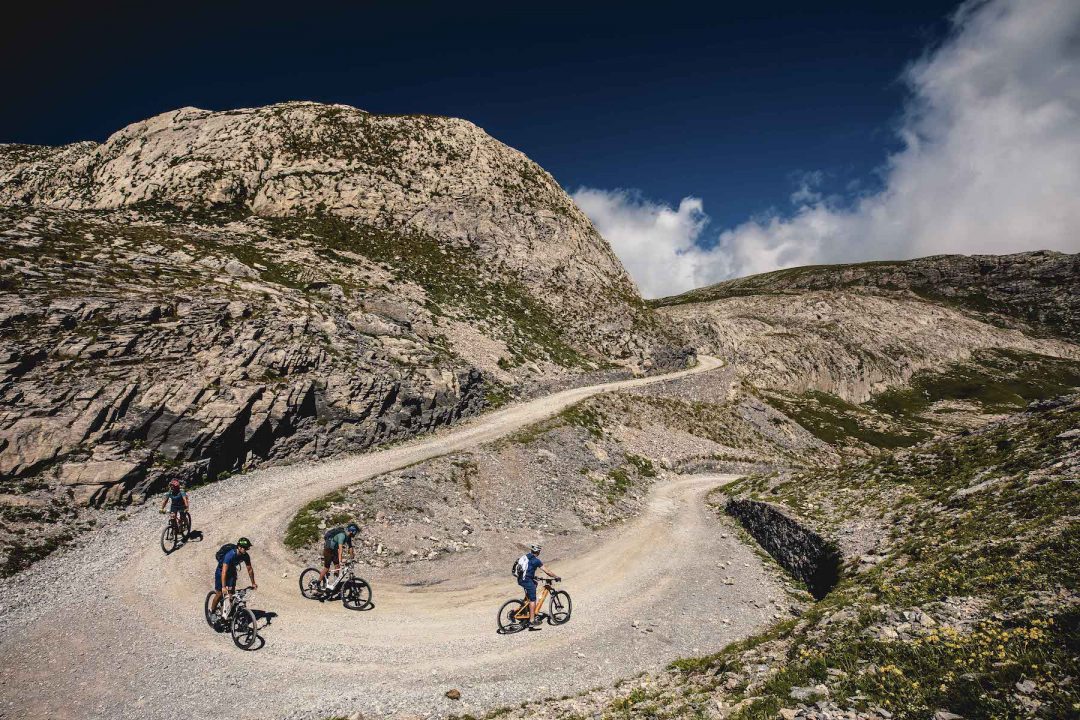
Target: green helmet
column 244, row 543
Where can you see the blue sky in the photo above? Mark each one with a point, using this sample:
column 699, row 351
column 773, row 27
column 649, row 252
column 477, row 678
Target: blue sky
column 731, row 106
column 725, row 102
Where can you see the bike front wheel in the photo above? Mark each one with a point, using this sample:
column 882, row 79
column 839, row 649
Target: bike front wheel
column 168, row 539
column 356, row 594
column 309, row 584
column 244, row 629
column 559, row 607
column 508, row 616
column 211, row 619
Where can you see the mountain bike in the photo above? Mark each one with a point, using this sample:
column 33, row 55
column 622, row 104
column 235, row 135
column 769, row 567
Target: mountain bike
column 239, row 621
column 354, row 591
column 514, row 614
column 175, row 533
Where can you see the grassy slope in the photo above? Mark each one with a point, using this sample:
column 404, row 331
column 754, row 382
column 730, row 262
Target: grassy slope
column 979, row 537
column 991, row 382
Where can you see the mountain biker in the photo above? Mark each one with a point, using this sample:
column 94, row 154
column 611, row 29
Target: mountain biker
column 178, row 503
column 525, row 569
column 335, row 542
column 229, row 558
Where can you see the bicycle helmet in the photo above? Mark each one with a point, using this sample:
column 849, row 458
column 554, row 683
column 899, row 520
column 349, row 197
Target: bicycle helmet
column 534, row 548
column 352, row 528
column 174, row 485
column 244, row 543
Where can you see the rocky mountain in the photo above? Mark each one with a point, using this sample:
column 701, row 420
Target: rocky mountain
column 854, row 330
column 206, row 292
column 1032, row 290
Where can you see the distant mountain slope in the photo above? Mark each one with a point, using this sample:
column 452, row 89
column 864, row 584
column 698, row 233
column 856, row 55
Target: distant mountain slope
column 1036, row 289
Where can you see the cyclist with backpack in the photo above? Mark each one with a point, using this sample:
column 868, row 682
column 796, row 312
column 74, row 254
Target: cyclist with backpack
column 335, row 540
column 229, row 557
column 178, row 503
column 525, row 571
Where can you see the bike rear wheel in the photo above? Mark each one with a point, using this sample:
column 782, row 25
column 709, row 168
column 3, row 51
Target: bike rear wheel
column 168, row 539
column 508, row 620
column 559, row 607
column 244, row 628
column 309, row 584
column 356, row 594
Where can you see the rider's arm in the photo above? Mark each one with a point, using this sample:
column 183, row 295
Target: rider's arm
column 187, row 505
column 341, row 554
column 224, row 578
column 251, row 574
column 548, row 572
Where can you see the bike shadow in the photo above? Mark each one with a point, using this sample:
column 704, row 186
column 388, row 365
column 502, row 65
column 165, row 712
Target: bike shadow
column 263, row 619
column 362, row 608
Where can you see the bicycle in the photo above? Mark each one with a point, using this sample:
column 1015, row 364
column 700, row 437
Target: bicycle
column 240, row 621
column 175, row 533
column 514, row 614
column 354, row 591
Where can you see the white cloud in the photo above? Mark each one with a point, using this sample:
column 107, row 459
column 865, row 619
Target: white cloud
column 656, row 243
column 990, row 164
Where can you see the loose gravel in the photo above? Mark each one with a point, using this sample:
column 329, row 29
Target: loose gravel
column 114, row 628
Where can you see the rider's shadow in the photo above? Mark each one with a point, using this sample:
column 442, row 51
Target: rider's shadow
column 194, row 536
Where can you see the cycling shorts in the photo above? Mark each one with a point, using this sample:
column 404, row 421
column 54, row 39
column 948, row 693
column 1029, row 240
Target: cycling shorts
column 530, row 589
column 230, row 577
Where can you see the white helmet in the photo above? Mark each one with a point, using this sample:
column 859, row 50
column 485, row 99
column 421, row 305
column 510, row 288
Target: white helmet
column 534, row 548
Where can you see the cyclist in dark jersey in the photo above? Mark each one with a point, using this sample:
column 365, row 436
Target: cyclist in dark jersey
column 177, row 500
column 225, row 573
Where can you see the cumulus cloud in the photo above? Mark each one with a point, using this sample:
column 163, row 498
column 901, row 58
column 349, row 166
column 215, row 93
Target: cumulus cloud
column 990, row 163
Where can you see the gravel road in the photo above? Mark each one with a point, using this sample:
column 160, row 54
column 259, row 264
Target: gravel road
column 114, row 628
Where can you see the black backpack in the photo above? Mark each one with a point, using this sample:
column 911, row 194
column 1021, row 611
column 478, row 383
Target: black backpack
column 223, row 551
column 329, row 534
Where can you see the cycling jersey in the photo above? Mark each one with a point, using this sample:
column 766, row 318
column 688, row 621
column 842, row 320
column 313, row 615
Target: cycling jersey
column 335, row 541
column 527, row 565
column 177, row 501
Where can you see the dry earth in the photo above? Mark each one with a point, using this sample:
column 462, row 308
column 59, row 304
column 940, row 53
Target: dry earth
column 115, row 628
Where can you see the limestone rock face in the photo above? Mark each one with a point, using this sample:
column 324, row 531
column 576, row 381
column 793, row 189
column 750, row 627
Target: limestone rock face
column 1039, row 290
column 442, row 178
column 207, row 292
column 849, row 344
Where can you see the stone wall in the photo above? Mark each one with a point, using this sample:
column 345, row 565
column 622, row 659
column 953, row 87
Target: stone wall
column 799, row 550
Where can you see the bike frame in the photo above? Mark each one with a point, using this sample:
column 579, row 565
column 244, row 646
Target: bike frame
column 523, row 613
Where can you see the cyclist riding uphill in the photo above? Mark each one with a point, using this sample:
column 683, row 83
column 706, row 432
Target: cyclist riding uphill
column 177, row 500
column 229, row 557
column 525, row 571
column 336, row 540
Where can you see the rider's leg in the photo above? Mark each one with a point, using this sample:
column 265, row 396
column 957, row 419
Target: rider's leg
column 327, row 560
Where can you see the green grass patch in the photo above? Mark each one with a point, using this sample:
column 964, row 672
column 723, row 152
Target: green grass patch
column 303, row 529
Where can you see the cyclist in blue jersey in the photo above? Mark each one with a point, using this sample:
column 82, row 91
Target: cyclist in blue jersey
column 525, row 570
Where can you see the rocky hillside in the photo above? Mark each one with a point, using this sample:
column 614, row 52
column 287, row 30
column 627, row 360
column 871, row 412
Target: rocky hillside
column 206, row 292
column 957, row 596
column 1032, row 290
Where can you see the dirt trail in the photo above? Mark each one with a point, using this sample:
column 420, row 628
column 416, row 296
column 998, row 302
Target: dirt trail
column 115, row 629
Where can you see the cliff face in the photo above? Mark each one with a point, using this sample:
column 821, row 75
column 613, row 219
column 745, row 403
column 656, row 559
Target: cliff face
column 206, row 292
